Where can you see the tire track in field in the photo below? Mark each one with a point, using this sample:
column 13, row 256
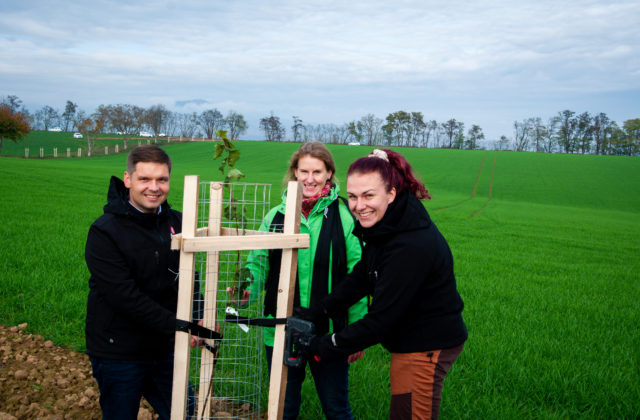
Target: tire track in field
column 473, row 192
column 493, row 170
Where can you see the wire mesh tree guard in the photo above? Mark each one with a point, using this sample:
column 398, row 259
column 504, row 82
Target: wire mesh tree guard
column 219, row 229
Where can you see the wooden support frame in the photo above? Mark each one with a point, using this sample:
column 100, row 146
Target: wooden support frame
column 185, row 300
column 286, row 291
column 212, row 240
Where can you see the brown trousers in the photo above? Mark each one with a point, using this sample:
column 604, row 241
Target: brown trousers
column 416, row 382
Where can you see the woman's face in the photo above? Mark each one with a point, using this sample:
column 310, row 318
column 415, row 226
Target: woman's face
column 368, row 197
column 313, row 174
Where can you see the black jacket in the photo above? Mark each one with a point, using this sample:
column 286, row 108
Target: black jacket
column 407, row 268
column 133, row 288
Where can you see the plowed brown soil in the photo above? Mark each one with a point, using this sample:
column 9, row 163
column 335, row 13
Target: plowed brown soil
column 39, row 380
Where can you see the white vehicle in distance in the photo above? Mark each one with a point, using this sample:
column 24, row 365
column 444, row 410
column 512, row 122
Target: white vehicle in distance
column 58, row 129
column 162, row 135
column 145, row 134
column 77, row 135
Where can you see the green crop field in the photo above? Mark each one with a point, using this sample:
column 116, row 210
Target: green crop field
column 546, row 252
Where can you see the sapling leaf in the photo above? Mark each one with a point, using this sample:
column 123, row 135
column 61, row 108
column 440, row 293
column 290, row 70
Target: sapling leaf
column 219, row 151
column 234, row 155
column 235, row 174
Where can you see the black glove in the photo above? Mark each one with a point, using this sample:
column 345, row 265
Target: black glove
column 314, row 314
column 322, row 348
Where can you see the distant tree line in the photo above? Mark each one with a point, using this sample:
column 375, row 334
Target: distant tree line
column 128, row 120
column 566, row 132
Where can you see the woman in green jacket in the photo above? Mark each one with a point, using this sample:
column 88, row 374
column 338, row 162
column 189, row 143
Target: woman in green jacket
column 332, row 253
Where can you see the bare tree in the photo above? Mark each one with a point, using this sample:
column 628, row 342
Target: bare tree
column 521, row 135
column 187, row 124
column 155, row 118
column 566, row 130
column 50, row 117
column 459, row 136
column 550, row 134
column 171, row 124
column 273, row 129
column 68, row 114
column 538, row 132
column 236, row 124
column 211, row 121
column 502, row 144
column 430, row 130
column 297, row 128
column 370, row 127
column 90, row 127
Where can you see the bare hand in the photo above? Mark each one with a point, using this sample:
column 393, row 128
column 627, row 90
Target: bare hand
column 196, row 341
column 243, row 300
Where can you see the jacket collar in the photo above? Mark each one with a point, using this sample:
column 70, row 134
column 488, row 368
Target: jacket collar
column 405, row 213
column 322, row 203
column 118, row 203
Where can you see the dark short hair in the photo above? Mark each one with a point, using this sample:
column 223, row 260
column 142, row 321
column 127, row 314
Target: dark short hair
column 147, row 153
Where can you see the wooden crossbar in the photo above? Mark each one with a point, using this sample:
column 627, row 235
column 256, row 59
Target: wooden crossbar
column 176, row 240
column 229, row 243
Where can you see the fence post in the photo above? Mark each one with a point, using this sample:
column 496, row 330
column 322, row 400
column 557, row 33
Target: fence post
column 68, row 152
column 55, row 152
column 106, row 150
column 79, row 152
column 116, row 148
column 26, row 153
column 41, row 152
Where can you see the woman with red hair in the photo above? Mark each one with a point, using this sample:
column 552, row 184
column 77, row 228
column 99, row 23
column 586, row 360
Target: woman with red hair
column 407, row 269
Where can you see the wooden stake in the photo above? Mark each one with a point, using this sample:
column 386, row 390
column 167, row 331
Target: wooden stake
column 185, row 299
column 286, row 291
column 210, row 303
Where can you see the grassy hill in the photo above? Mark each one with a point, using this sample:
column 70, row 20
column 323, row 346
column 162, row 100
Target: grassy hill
column 546, row 252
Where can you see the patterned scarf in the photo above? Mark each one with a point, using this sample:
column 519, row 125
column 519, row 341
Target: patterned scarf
column 309, row 203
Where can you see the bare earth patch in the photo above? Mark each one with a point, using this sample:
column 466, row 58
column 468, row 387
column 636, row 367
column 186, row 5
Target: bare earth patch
column 41, row 381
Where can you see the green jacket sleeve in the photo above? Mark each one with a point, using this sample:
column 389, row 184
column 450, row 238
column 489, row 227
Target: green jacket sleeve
column 258, row 262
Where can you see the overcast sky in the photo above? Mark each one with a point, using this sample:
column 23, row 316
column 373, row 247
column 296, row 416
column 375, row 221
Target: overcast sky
column 482, row 62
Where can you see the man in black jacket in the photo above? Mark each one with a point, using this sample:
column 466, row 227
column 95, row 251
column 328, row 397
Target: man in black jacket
column 133, row 288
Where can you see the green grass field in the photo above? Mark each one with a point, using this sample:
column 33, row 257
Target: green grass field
column 547, row 266
column 50, row 140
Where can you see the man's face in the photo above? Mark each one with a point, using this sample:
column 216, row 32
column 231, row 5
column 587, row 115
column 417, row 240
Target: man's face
column 148, row 185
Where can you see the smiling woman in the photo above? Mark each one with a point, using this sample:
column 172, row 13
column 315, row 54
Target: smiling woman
column 333, row 252
column 407, row 269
